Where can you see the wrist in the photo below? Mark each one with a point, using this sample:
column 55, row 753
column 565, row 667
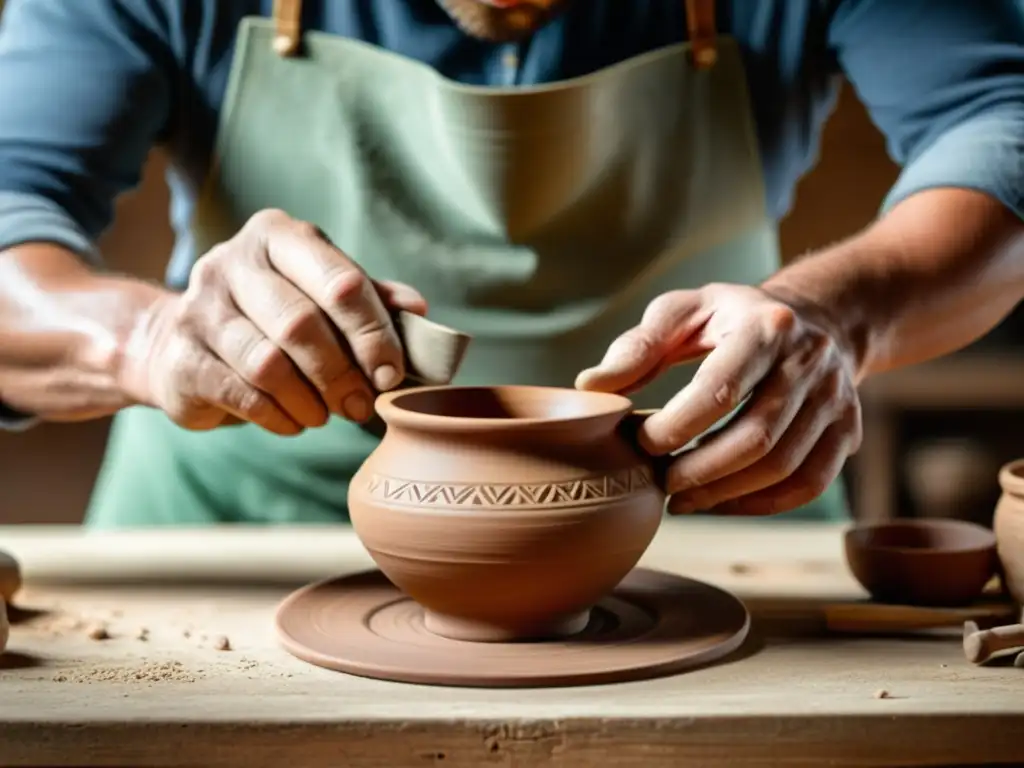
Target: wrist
column 66, row 332
column 834, row 307
column 123, row 350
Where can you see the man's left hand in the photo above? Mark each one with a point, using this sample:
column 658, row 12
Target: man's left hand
column 791, row 439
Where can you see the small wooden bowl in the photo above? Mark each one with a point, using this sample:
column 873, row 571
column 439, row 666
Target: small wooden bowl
column 922, row 562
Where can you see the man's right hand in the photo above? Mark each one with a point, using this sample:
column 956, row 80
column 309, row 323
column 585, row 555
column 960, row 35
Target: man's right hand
column 277, row 327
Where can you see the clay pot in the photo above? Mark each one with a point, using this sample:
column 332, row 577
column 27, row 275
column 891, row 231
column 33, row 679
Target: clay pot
column 922, row 562
column 1009, row 528
column 952, row 478
column 506, row 512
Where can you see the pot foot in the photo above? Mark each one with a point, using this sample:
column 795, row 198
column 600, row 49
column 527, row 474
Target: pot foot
column 468, row 630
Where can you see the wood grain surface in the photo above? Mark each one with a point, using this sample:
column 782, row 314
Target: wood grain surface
column 158, row 691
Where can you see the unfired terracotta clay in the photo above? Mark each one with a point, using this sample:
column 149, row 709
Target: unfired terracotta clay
column 506, row 512
column 10, row 577
column 1009, row 528
column 952, row 478
column 5, row 627
column 652, row 625
column 922, row 562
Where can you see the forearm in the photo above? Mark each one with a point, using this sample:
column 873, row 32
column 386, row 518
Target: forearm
column 935, row 274
column 63, row 332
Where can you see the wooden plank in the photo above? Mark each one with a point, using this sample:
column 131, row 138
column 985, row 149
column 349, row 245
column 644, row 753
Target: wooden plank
column 970, row 379
column 793, row 697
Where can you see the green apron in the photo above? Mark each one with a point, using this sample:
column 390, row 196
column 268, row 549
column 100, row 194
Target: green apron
column 540, row 219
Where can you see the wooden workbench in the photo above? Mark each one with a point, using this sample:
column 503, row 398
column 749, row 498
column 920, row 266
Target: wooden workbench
column 793, row 696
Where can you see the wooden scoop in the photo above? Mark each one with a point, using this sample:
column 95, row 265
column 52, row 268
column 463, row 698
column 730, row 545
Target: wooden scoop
column 433, row 354
column 980, row 645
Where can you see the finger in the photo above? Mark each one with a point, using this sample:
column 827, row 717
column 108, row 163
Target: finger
column 264, row 365
column 634, row 357
column 784, row 458
column 722, row 382
column 642, row 353
column 214, row 385
column 401, row 296
column 764, row 427
column 812, row 479
column 348, row 297
column 295, row 325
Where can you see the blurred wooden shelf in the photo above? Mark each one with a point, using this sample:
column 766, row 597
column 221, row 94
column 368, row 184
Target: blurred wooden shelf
column 971, row 380
column 968, row 380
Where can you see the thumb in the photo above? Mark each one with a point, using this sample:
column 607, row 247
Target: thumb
column 397, row 295
column 666, row 336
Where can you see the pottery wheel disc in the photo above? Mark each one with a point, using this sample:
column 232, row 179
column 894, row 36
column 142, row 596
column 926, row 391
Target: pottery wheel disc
column 653, row 624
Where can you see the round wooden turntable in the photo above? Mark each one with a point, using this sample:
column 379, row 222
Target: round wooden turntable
column 652, row 625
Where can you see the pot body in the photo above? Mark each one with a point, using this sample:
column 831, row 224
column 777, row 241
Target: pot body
column 510, row 534
column 1008, row 524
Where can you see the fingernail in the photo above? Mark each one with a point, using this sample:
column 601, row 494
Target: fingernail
column 385, row 377
column 357, row 407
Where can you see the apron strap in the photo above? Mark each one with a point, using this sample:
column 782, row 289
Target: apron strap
column 700, row 24
column 288, row 21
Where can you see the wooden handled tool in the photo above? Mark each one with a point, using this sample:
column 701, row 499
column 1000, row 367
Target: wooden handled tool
column 433, row 354
column 980, row 645
column 880, row 618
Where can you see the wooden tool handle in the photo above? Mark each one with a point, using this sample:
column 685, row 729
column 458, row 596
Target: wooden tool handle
column 980, row 645
column 876, row 617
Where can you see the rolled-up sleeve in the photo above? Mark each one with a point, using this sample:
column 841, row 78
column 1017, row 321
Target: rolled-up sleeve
column 85, row 91
column 944, row 81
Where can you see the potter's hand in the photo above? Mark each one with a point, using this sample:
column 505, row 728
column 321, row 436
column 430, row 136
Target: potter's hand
column 277, row 327
column 792, row 437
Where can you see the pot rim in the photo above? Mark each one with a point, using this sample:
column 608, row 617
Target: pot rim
column 1011, row 477
column 854, row 532
column 388, row 406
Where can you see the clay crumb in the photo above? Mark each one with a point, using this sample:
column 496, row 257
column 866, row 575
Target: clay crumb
column 881, row 693
column 98, row 632
column 187, row 633
column 142, row 634
column 739, row 569
column 221, row 643
column 160, row 672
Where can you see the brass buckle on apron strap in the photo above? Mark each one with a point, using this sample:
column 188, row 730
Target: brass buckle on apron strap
column 288, row 20
column 700, row 25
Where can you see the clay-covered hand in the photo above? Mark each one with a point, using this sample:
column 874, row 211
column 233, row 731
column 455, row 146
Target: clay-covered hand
column 794, row 433
column 277, row 327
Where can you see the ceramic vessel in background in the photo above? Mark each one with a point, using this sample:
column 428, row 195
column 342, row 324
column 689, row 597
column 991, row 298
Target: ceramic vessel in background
column 506, row 512
column 1009, row 528
column 922, row 562
column 952, row 478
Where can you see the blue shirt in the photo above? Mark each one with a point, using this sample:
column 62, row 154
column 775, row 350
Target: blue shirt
column 87, row 87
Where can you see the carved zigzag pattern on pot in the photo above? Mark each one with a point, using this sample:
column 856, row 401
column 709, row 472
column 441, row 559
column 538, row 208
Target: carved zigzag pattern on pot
column 568, row 493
